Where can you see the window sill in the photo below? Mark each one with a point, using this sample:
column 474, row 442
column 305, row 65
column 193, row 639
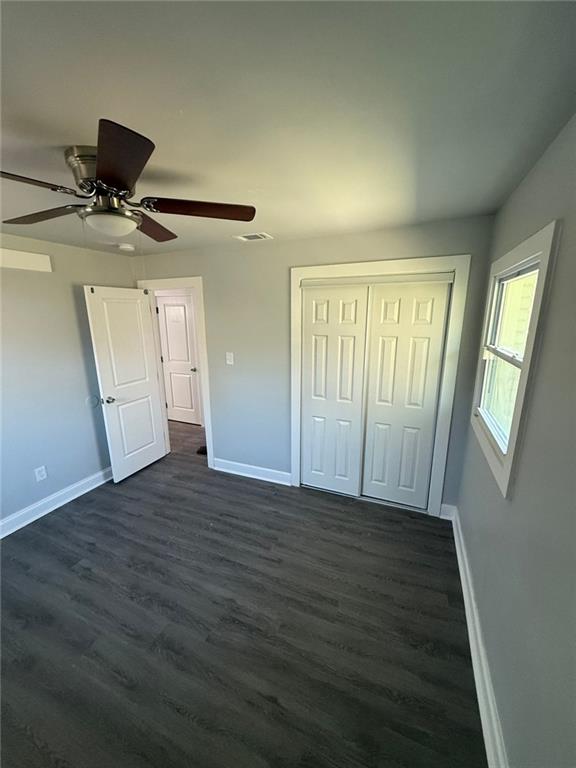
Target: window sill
column 494, row 433
column 498, row 462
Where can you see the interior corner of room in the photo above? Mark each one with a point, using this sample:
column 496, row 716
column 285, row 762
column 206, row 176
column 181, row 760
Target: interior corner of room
column 347, row 444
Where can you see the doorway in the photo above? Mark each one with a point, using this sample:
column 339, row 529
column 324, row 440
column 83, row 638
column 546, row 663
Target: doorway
column 188, row 404
column 359, row 331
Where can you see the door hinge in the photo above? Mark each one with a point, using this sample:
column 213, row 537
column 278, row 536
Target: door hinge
column 157, row 311
column 166, row 404
column 161, row 358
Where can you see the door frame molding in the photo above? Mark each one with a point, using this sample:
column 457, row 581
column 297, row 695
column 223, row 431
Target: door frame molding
column 459, row 267
column 196, row 286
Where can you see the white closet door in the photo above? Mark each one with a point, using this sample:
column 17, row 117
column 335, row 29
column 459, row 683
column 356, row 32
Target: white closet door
column 180, row 359
column 334, row 335
column 407, row 326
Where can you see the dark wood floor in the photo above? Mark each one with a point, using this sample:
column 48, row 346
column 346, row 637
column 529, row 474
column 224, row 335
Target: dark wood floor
column 186, row 617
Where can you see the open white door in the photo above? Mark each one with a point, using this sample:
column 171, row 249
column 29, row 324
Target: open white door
column 127, row 367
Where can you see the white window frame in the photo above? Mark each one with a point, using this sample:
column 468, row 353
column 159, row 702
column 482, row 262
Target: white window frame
column 533, row 253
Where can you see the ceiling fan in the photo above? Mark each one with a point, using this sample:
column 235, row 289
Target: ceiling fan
column 107, row 176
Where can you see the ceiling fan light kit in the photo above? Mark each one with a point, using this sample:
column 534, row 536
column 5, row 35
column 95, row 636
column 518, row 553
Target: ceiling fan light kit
column 106, row 176
column 111, row 224
column 107, row 216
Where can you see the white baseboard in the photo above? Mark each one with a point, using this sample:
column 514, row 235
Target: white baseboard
column 491, row 726
column 248, row 470
column 448, row 512
column 23, row 517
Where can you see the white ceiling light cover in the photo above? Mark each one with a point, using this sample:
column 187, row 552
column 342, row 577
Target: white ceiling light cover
column 111, row 224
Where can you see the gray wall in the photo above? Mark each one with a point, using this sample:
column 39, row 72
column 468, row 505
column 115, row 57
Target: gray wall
column 48, row 373
column 522, row 551
column 247, row 295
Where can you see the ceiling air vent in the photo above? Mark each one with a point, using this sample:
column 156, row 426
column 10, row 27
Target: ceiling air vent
column 254, row 236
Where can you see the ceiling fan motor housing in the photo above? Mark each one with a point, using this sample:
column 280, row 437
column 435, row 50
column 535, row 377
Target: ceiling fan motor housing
column 81, row 160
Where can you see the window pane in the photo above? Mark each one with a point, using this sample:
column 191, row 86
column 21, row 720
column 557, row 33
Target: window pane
column 499, row 396
column 516, row 302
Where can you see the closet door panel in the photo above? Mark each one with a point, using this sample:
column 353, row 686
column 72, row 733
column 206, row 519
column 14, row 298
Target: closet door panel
column 407, row 327
column 333, row 343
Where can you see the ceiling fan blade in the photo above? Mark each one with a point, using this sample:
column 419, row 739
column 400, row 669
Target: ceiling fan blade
column 155, row 230
column 199, row 208
column 51, row 213
column 37, row 183
column 121, row 156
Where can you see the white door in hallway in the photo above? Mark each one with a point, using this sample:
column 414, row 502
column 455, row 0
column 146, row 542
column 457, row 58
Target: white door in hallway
column 180, row 358
column 405, row 347
column 334, row 330
column 121, row 325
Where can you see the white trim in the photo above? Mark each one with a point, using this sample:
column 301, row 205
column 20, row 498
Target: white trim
column 11, row 259
column 159, row 367
column 491, row 725
column 165, row 283
column 459, row 266
column 162, row 292
column 196, row 284
column 248, row 470
column 441, row 277
column 536, row 251
column 23, row 517
column 448, row 512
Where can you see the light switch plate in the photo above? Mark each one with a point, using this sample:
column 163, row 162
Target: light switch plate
column 229, row 358
column 40, row 473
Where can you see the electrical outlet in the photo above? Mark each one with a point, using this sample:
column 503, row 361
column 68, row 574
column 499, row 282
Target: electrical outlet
column 229, row 358
column 40, row 474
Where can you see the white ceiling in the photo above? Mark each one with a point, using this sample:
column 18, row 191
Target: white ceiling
column 326, row 116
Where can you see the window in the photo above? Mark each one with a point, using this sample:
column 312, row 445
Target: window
column 504, row 351
column 511, row 320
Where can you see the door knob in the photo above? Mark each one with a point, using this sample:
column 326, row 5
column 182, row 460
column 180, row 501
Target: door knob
column 193, row 370
column 110, row 399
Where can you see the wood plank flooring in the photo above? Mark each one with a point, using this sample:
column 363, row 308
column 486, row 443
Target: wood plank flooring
column 185, row 618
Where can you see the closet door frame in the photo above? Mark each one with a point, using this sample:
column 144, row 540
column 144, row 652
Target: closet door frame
column 456, row 269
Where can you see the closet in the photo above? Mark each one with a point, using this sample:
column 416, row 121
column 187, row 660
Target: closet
column 372, row 358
